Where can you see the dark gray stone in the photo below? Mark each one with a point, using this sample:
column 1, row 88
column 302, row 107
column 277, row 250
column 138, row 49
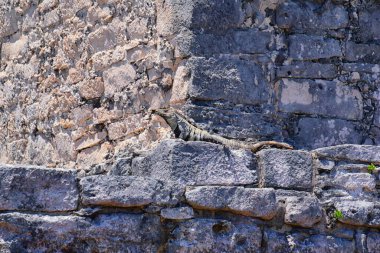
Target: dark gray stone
column 369, row 53
column 259, row 203
column 373, row 242
column 355, row 182
column 308, row 70
column 122, row 167
column 305, row 47
column 327, row 98
column 216, row 235
column 249, row 41
column 303, row 211
column 300, row 243
column 361, row 67
column 38, row 189
column 128, row 191
column 178, row 213
column 349, row 152
column 285, row 169
column 369, row 29
column 316, row 133
column 234, row 123
column 104, row 233
column 196, row 163
column 303, row 18
column 228, row 79
column 202, row 15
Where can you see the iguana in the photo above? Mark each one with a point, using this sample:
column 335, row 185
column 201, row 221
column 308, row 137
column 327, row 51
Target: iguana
column 187, row 131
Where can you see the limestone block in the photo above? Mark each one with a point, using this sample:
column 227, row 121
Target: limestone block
column 8, row 20
column 196, row 163
column 101, row 39
column 234, row 80
column 369, row 53
column 316, row 133
column 117, row 78
column 327, row 98
column 308, row 47
column 350, row 152
column 125, row 191
column 359, row 212
column 259, row 203
column 308, row 70
column 285, row 169
column 92, row 89
column 216, row 235
column 30, row 188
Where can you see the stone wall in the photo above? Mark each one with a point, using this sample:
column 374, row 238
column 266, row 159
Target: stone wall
column 198, row 197
column 78, row 77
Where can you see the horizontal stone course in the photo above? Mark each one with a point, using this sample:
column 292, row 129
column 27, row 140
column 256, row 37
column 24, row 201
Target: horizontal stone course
column 128, row 191
column 259, row 203
column 304, row 47
column 308, row 70
column 32, row 188
column 196, row 163
column 349, row 152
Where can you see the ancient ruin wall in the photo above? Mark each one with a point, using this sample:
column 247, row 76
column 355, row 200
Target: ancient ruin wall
column 79, row 77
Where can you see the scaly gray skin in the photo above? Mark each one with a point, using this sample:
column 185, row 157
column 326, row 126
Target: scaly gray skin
column 183, row 129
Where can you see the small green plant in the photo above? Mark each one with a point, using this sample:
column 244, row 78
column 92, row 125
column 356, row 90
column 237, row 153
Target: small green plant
column 371, row 168
column 338, row 214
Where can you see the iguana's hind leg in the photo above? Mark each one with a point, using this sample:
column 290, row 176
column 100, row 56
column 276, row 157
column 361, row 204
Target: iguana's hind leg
column 259, row 145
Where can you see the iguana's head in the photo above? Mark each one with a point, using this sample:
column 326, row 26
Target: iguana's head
column 169, row 115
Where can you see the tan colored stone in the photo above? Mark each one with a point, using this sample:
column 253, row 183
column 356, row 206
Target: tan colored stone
column 94, row 155
column 132, row 125
column 101, row 39
column 103, row 115
column 82, row 116
column 90, row 140
column 117, row 78
column 92, row 89
column 74, row 76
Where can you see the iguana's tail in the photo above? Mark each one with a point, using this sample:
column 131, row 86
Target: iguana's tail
column 259, row 145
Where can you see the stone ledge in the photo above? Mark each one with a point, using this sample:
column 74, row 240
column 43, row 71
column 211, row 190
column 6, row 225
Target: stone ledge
column 32, row 188
column 350, row 152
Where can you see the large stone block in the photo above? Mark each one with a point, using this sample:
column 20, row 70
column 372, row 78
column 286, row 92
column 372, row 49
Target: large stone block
column 216, row 235
column 362, row 52
column 228, row 79
column 327, row 98
column 203, row 15
column 307, row 18
column 304, row 47
column 369, row 29
column 349, row 152
column 196, row 163
column 298, row 242
column 316, row 133
column 373, row 242
column 105, row 233
column 308, row 70
column 259, row 203
column 125, row 191
column 30, row 188
column 359, row 212
column 249, row 41
column 285, row 169
column 235, row 123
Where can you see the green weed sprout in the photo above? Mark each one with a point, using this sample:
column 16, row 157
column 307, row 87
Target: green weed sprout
column 371, row 168
column 338, row 214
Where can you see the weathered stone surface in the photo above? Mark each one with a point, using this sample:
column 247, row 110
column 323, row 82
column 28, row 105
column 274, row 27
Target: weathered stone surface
column 111, row 232
column 285, row 169
column 37, row 189
column 259, row 203
column 302, row 18
column 362, row 153
column 373, row 242
column 355, row 182
column 179, row 213
column 234, row 80
column 369, row 29
column 125, row 191
column 362, row 52
column 308, row 70
column 249, row 41
column 8, row 19
column 304, row 47
column 216, row 235
column 316, row 133
column 196, row 163
column 237, row 123
column 328, row 98
column 359, row 212
column 303, row 211
column 297, row 242
column 208, row 15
